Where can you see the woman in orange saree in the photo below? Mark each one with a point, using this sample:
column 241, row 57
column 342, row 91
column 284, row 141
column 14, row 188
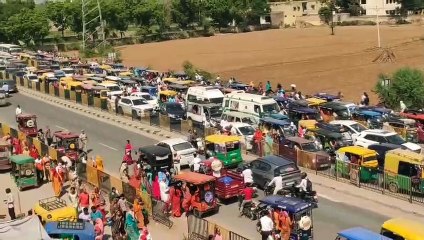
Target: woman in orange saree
column 57, row 182
column 138, row 212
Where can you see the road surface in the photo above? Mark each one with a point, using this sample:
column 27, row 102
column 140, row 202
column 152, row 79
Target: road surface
column 109, row 141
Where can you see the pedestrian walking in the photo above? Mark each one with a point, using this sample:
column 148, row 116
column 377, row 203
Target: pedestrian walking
column 48, row 136
column 83, row 139
column 10, row 204
column 18, row 111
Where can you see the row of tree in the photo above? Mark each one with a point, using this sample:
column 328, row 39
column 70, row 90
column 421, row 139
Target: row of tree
column 22, row 20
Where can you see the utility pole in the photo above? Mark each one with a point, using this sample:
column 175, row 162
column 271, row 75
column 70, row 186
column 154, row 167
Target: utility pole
column 378, row 25
column 92, row 14
column 333, row 13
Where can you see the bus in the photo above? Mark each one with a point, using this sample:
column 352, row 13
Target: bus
column 256, row 105
column 10, row 48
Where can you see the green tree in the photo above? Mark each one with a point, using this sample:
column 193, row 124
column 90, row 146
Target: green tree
column 9, row 8
column 117, row 15
column 326, row 15
column 75, row 16
column 150, row 12
column 406, row 85
column 185, row 12
column 28, row 26
column 60, row 14
column 350, row 6
column 247, row 12
column 220, row 12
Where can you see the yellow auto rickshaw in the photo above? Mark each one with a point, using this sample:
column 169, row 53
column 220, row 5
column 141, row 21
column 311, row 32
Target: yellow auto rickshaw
column 315, row 102
column 403, row 229
column 164, row 96
column 55, row 209
column 355, row 161
column 404, row 171
column 308, row 124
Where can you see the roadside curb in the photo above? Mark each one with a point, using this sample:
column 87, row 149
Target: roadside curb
column 94, row 113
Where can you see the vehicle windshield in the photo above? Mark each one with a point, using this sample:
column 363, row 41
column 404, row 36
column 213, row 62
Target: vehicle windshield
column 137, row 102
column 309, row 147
column 287, row 168
column 358, row 127
column 174, row 108
column 113, row 88
column 15, row 50
column 68, row 71
column 370, row 158
column 147, row 97
column 216, row 100
column 215, row 112
column 343, row 113
column 248, row 120
column 182, row 146
column 31, row 77
column 270, row 108
column 395, row 139
column 247, row 130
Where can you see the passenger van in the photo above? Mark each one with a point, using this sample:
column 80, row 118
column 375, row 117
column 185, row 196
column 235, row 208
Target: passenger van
column 209, row 94
column 206, row 113
column 256, row 105
column 237, row 117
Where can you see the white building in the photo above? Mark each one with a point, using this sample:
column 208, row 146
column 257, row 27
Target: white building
column 382, row 7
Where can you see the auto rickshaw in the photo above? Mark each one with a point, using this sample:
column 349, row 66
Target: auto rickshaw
column 5, row 153
column 178, row 88
column 54, row 209
column 402, row 229
column 156, row 157
column 296, row 114
column 27, row 123
column 404, row 171
column 67, row 144
column 23, row 171
column 334, row 111
column 328, row 140
column 225, row 148
column 164, row 97
column 280, row 126
column 405, row 127
column 299, row 211
column 371, row 119
column 202, row 188
column 70, row 230
column 359, row 233
column 349, row 159
column 308, row 124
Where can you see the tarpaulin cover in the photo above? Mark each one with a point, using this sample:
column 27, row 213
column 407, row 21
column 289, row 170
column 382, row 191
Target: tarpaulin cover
column 28, row 228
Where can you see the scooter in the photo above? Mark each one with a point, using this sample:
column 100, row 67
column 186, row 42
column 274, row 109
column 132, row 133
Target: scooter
column 310, row 197
column 249, row 210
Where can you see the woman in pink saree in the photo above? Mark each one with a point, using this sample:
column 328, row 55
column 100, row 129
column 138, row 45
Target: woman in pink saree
column 99, row 229
column 156, row 188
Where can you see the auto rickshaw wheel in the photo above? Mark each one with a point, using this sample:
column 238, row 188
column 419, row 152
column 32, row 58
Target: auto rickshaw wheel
column 393, row 187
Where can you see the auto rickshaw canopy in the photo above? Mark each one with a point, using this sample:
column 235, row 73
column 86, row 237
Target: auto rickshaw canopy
column 406, row 228
column 194, row 178
column 360, row 151
column 21, row 159
column 359, row 233
column 168, row 93
column 222, row 139
column 408, row 156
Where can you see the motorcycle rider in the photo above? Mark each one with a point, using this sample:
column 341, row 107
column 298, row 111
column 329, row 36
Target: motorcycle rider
column 303, row 186
column 247, row 196
column 278, row 183
column 247, row 175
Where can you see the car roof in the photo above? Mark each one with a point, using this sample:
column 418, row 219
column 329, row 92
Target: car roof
column 299, row 140
column 359, row 233
column 407, row 228
column 132, row 97
column 276, row 160
column 154, row 150
column 378, row 132
column 173, row 141
column 344, row 122
column 237, row 114
column 381, row 146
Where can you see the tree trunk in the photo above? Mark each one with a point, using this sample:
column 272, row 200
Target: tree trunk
column 63, row 32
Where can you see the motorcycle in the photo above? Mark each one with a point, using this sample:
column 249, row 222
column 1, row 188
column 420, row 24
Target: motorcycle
column 250, row 209
column 293, row 191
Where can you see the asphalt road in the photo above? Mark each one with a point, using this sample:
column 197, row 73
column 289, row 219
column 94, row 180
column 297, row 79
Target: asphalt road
column 104, row 139
column 329, row 218
column 109, row 141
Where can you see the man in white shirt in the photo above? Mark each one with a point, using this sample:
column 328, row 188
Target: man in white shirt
column 196, row 163
column 247, row 176
column 83, row 139
column 18, row 111
column 84, row 215
column 10, row 202
column 278, row 183
column 267, row 225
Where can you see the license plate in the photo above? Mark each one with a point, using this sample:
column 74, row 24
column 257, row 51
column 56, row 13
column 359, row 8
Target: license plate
column 289, row 183
column 324, row 165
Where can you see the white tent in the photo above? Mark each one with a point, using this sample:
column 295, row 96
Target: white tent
column 28, row 228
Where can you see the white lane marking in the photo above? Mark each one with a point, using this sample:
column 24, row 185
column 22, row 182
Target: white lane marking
column 108, row 146
column 61, row 127
column 329, row 198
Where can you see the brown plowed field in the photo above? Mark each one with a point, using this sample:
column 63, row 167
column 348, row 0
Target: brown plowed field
column 311, row 58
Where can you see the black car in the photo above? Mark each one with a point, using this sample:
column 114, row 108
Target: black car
column 381, row 150
column 174, row 111
column 266, row 168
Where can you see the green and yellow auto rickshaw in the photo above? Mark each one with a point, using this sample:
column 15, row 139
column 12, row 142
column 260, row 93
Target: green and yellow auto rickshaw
column 164, row 97
column 225, row 148
column 23, row 171
column 354, row 161
column 404, row 171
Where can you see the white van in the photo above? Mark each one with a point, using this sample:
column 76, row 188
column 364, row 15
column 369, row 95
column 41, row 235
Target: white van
column 248, row 103
column 229, row 118
column 208, row 94
column 113, row 88
column 205, row 113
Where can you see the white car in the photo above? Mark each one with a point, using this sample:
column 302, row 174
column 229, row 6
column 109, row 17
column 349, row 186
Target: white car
column 181, row 147
column 31, row 77
column 353, row 127
column 245, row 131
column 150, row 99
column 133, row 105
column 376, row 136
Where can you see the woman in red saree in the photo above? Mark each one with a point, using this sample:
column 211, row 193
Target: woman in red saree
column 186, row 198
column 156, row 188
column 17, row 147
column 176, row 194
